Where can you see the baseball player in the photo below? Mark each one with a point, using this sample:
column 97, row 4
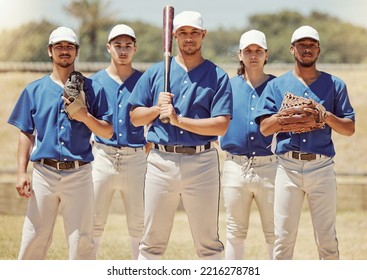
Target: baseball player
column 120, row 162
column 249, row 168
column 61, row 154
column 183, row 162
column 305, row 165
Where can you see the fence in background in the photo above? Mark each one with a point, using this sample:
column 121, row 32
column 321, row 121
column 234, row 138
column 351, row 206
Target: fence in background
column 95, row 66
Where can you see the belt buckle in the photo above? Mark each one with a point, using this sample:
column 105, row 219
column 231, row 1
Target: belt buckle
column 175, row 149
column 296, row 155
column 64, row 165
column 303, row 156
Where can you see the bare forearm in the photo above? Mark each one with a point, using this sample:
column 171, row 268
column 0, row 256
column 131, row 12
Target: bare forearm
column 25, row 144
column 211, row 126
column 100, row 128
column 143, row 115
column 343, row 126
column 269, row 125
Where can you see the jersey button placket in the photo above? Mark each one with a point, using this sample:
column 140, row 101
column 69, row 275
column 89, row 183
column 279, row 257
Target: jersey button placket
column 62, row 131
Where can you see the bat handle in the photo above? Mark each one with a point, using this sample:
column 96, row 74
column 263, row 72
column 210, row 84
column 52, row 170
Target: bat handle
column 167, row 63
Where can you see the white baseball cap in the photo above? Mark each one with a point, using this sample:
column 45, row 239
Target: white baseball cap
column 121, row 29
column 253, row 37
column 63, row 34
column 188, row 18
column 305, row 32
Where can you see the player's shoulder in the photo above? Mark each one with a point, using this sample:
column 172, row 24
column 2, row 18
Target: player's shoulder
column 286, row 75
column 282, row 79
column 98, row 75
column 209, row 66
column 40, row 83
column 156, row 68
column 92, row 85
column 334, row 78
column 237, row 80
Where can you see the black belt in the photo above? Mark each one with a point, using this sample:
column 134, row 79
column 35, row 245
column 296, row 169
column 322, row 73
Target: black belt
column 62, row 165
column 119, row 147
column 303, row 156
column 179, row 149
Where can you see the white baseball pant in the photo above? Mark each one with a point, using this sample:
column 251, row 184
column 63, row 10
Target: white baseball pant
column 316, row 180
column 71, row 193
column 194, row 178
column 245, row 180
column 123, row 170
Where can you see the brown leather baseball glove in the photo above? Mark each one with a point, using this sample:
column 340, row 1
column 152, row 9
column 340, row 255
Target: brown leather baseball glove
column 298, row 114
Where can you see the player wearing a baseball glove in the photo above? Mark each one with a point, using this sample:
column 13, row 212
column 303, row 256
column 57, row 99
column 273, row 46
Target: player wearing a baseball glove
column 60, row 152
column 305, row 161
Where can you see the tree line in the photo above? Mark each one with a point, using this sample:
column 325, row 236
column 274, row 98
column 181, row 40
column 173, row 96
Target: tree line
column 341, row 42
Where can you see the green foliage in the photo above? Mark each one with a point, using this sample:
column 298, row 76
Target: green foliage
column 26, row 43
column 221, row 45
column 94, row 15
column 340, row 42
column 149, row 42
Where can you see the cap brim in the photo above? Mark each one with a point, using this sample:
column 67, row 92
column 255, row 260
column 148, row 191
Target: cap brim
column 63, row 39
column 190, row 25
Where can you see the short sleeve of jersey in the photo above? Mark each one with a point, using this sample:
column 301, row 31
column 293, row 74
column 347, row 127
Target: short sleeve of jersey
column 149, row 82
column 21, row 116
column 267, row 104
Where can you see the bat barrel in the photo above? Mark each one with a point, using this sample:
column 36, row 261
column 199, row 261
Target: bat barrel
column 168, row 12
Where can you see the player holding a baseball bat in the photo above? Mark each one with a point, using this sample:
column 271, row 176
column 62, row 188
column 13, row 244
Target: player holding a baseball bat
column 183, row 162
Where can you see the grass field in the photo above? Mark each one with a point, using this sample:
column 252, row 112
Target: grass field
column 351, row 227
column 351, row 158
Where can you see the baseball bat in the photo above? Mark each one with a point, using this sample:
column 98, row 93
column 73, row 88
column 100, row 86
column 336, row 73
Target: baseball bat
column 168, row 13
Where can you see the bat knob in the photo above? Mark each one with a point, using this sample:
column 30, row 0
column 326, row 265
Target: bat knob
column 165, row 120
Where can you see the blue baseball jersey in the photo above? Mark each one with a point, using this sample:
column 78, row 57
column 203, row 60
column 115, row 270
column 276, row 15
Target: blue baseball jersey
column 40, row 111
column 125, row 134
column 243, row 136
column 203, row 92
column 328, row 90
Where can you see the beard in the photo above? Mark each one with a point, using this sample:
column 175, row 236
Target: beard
column 190, row 50
column 64, row 64
column 307, row 64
